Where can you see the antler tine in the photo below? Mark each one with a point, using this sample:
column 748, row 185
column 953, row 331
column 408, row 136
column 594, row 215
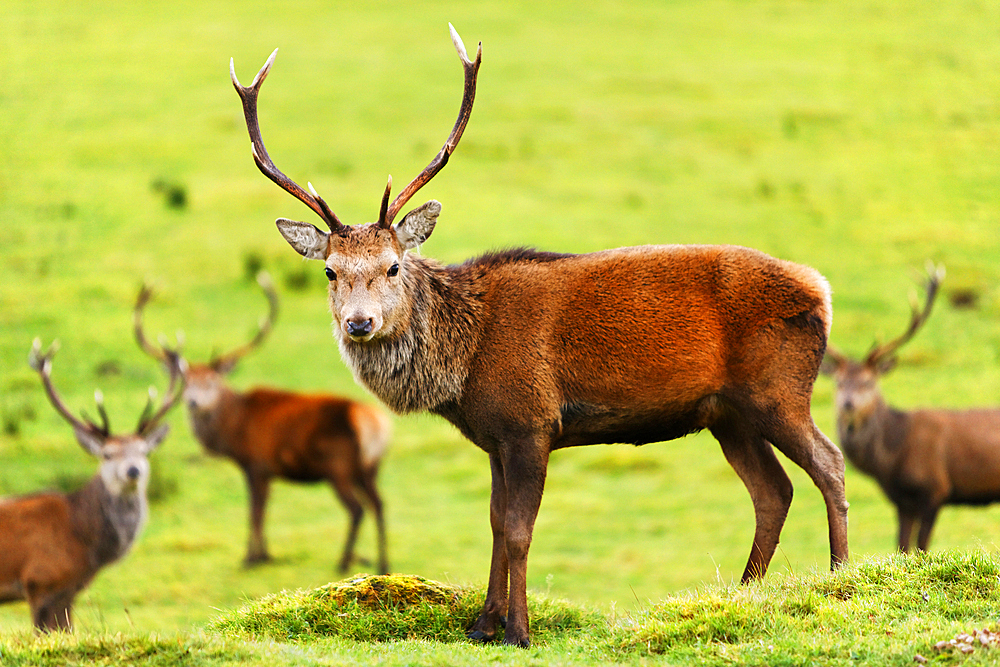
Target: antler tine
column 918, row 316
column 42, row 363
column 248, row 95
column 149, row 420
column 263, row 327
column 106, row 423
column 441, row 159
column 145, row 294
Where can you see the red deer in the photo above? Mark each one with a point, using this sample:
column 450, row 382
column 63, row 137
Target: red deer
column 272, row 433
column 53, row 544
column 922, row 459
column 526, row 352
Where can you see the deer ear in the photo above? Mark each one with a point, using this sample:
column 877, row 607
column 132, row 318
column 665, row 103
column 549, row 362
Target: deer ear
column 417, row 225
column 154, row 439
column 224, row 365
column 91, row 442
column 308, row 240
column 885, row 365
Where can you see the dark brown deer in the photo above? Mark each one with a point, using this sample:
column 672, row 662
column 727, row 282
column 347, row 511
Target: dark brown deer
column 922, row 459
column 53, row 544
column 527, row 352
column 272, row 433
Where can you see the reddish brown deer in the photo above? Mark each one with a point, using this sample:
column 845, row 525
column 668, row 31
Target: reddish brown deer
column 922, row 459
column 272, row 433
column 53, row 544
column 527, row 352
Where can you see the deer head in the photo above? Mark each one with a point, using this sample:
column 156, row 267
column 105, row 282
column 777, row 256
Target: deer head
column 205, row 382
column 857, row 394
column 365, row 263
column 124, row 463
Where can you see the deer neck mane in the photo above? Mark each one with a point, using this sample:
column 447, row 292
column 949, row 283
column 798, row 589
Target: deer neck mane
column 113, row 521
column 424, row 362
column 208, row 425
column 874, row 444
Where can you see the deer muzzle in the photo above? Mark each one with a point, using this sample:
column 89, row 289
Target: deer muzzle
column 359, row 327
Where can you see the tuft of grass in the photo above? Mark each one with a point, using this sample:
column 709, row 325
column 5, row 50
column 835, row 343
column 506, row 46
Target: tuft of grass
column 63, row 650
column 884, row 610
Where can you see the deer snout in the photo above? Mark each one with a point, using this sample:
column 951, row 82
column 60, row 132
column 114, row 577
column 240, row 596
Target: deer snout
column 133, row 472
column 359, row 326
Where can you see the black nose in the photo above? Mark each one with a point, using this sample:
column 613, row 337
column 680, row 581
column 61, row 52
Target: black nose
column 133, row 472
column 359, row 327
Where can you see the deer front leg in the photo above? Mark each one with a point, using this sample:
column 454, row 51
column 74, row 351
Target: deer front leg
column 485, row 627
column 259, row 486
column 525, row 477
column 52, row 612
column 906, row 520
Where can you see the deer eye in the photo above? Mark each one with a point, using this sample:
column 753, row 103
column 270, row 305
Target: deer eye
column 393, row 270
column 331, row 275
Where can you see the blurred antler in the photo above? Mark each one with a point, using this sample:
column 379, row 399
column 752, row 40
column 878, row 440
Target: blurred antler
column 919, row 315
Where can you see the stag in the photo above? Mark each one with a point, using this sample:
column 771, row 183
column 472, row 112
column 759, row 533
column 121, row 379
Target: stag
column 527, row 352
column 272, row 433
column 52, row 544
column 922, row 459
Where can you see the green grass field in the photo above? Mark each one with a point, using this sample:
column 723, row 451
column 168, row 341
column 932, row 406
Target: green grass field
column 859, row 137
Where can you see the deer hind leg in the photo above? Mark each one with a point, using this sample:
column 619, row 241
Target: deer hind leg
column 770, row 489
column 259, row 487
column 811, row 450
column 927, row 519
column 345, row 492
column 367, row 484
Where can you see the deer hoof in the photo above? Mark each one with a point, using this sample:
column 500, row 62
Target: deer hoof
column 520, row 643
column 256, row 559
column 480, row 636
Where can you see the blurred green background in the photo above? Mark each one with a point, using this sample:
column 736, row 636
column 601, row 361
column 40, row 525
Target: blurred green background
column 861, row 137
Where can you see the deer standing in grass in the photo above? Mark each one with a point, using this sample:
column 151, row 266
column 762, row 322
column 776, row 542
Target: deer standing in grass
column 272, row 433
column 527, row 352
column 53, row 544
column 922, row 459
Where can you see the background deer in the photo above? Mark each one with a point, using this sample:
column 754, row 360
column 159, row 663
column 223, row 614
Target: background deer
column 271, row 433
column 922, row 459
column 53, row 544
column 526, row 352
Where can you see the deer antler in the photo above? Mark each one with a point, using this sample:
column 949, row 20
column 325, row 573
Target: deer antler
column 149, row 420
column 42, row 363
column 387, row 212
column 161, row 353
column 935, row 274
column 145, row 294
column 264, row 326
column 248, row 94
column 387, row 215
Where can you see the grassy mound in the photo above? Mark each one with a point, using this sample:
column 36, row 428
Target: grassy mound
column 385, row 608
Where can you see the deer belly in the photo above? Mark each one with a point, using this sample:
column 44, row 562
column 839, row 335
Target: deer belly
column 589, row 424
column 11, row 592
